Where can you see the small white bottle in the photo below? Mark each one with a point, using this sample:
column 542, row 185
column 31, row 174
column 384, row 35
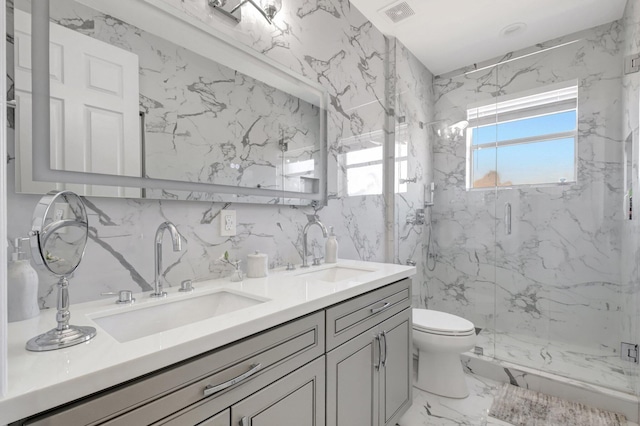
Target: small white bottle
column 22, row 286
column 331, row 248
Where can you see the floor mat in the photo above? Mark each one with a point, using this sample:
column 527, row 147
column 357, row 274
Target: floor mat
column 524, row 407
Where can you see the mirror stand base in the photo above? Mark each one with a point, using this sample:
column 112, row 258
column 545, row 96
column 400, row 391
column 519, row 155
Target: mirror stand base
column 58, row 339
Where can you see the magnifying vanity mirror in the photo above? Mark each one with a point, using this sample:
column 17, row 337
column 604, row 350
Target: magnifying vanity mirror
column 141, row 99
column 58, row 238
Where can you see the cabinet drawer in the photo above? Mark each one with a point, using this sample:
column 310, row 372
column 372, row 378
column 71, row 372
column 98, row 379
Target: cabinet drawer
column 147, row 400
column 296, row 399
column 348, row 319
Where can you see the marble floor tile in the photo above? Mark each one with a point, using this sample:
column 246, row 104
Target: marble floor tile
column 432, row 410
column 601, row 367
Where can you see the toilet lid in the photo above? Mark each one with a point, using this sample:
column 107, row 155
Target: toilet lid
column 441, row 322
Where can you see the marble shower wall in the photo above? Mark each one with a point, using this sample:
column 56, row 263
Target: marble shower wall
column 327, row 41
column 558, row 273
column 414, row 109
column 631, row 228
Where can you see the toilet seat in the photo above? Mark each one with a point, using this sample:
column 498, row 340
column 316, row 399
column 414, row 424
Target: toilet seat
column 441, row 323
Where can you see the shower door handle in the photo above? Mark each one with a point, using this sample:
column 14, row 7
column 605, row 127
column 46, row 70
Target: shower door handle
column 507, row 218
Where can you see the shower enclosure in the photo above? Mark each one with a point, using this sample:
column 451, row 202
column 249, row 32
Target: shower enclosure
column 534, row 237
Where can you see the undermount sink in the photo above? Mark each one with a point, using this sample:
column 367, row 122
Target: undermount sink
column 334, row 274
column 134, row 324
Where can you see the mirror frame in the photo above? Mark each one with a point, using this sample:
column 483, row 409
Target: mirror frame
column 213, row 43
column 40, row 231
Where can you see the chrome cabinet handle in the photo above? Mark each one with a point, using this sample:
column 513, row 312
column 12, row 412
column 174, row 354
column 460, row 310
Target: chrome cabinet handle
column 244, row 421
column 507, row 218
column 379, row 352
column 381, row 308
column 12, row 104
column 384, row 361
column 210, row 390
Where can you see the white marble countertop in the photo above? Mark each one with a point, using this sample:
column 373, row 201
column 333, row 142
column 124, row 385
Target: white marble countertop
column 42, row 380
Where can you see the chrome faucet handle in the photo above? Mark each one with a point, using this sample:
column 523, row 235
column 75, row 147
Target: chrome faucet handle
column 313, row 220
column 176, row 239
column 316, row 261
column 186, row 286
column 124, row 296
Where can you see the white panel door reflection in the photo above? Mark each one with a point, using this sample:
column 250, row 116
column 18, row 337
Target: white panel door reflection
column 95, row 124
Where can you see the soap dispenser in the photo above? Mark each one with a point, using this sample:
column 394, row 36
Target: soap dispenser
column 331, row 248
column 22, row 285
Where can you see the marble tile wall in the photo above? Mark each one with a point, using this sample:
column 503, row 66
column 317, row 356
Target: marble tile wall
column 558, row 274
column 414, row 109
column 327, row 41
column 631, row 228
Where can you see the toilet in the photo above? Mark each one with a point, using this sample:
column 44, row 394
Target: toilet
column 440, row 339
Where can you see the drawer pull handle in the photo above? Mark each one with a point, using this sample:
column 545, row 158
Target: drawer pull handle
column 244, row 421
column 381, row 308
column 210, row 390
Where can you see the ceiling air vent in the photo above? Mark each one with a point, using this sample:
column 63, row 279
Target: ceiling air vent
column 398, row 12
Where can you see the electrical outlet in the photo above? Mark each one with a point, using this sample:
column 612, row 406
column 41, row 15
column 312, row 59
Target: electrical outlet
column 61, row 211
column 228, row 223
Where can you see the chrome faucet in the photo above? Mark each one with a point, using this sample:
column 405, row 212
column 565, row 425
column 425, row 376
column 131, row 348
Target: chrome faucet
column 177, row 246
column 313, row 220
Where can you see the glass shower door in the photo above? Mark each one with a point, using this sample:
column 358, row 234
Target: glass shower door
column 558, row 215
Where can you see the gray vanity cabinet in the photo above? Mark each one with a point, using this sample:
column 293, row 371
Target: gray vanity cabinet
column 220, row 419
column 199, row 388
column 353, row 382
column 297, row 399
column 348, row 365
column 369, row 376
column 395, row 370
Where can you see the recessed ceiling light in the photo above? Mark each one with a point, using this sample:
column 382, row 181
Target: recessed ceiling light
column 513, row 29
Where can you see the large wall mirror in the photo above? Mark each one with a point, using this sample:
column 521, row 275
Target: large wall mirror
column 144, row 101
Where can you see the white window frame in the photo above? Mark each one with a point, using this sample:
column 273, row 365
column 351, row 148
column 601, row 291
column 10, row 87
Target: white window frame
column 373, row 140
column 549, row 100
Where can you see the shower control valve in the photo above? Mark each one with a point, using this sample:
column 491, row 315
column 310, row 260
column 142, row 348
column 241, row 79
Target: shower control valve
column 419, row 218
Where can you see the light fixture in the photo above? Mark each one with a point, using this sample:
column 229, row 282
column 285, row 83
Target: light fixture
column 268, row 11
column 453, row 132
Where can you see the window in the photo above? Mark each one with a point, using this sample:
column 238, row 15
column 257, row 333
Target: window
column 526, row 140
column 362, row 163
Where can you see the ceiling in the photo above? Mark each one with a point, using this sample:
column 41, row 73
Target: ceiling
column 449, row 34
